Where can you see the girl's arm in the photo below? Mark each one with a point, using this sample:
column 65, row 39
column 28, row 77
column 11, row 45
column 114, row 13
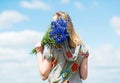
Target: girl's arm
column 84, row 68
column 44, row 64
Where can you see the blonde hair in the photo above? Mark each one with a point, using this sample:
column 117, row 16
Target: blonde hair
column 74, row 39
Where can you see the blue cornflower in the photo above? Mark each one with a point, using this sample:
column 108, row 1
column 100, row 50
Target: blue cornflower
column 58, row 30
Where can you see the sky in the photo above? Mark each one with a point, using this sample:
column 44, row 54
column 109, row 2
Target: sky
column 24, row 22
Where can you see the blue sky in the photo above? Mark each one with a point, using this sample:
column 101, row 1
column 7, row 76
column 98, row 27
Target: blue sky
column 24, row 22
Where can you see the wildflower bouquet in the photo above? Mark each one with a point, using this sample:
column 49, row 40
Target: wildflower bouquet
column 56, row 34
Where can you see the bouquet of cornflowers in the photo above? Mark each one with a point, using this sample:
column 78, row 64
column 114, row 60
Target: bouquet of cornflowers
column 56, row 34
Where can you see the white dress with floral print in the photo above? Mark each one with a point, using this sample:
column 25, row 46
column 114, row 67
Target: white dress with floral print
column 66, row 68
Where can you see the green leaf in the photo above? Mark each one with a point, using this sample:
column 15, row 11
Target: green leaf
column 33, row 51
column 47, row 40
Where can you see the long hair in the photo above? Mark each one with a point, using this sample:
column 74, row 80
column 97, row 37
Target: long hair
column 74, row 39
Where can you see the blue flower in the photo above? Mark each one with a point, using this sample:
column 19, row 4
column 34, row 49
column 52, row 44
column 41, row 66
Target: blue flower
column 58, row 31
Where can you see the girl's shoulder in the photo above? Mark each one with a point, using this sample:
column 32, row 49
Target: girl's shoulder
column 84, row 51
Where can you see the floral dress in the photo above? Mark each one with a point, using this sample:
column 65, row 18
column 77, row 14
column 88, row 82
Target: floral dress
column 66, row 63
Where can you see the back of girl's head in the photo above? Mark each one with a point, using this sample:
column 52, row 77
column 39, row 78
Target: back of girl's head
column 74, row 39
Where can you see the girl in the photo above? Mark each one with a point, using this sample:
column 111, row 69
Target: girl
column 62, row 56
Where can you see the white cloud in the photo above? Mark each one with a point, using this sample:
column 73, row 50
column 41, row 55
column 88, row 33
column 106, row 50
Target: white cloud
column 35, row 4
column 17, row 54
column 9, row 18
column 65, row 1
column 104, row 64
column 115, row 23
column 79, row 5
column 18, row 61
column 21, row 38
column 106, row 55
